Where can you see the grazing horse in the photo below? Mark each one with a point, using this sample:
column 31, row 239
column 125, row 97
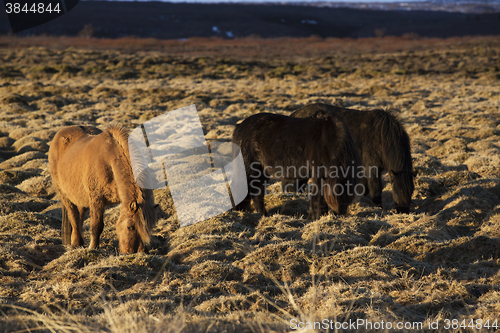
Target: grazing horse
column 383, row 144
column 91, row 170
column 318, row 148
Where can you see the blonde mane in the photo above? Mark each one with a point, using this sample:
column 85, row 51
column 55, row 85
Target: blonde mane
column 120, row 133
column 125, row 176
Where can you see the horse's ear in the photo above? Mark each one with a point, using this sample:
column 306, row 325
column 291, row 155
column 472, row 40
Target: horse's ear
column 392, row 174
column 133, row 206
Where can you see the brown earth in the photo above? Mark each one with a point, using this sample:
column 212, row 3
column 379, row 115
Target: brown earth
column 239, row 271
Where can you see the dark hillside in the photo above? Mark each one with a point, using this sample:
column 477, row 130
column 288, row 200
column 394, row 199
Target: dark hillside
column 174, row 21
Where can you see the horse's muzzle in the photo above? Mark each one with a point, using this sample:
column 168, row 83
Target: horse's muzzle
column 403, row 210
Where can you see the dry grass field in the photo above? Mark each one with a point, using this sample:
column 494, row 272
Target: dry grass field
column 239, row 271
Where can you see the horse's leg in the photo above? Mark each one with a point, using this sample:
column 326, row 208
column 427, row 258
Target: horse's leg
column 245, row 205
column 96, row 223
column 66, row 228
column 258, row 200
column 259, row 190
column 81, row 213
column 366, row 187
column 375, row 188
column 323, row 205
column 315, row 199
column 73, row 215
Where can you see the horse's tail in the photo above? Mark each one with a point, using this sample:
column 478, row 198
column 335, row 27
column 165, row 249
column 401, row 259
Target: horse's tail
column 66, row 228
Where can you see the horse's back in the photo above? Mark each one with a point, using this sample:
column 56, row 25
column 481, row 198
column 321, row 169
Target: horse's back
column 73, row 159
column 274, row 139
column 276, row 131
column 72, row 140
column 64, row 140
column 66, row 136
column 377, row 133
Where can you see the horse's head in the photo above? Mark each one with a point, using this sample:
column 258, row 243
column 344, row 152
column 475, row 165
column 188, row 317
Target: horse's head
column 402, row 189
column 129, row 228
column 337, row 194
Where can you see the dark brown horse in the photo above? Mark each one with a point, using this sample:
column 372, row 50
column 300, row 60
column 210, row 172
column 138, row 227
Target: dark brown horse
column 318, row 148
column 383, row 144
column 91, row 170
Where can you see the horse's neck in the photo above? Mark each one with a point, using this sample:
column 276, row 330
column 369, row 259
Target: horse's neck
column 128, row 190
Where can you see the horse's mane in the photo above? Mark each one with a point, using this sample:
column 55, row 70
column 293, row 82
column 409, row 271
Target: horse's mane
column 120, row 133
column 124, row 174
column 394, row 140
column 395, row 145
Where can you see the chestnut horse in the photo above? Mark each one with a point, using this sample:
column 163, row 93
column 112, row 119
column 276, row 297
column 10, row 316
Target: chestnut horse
column 91, row 170
column 319, row 148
